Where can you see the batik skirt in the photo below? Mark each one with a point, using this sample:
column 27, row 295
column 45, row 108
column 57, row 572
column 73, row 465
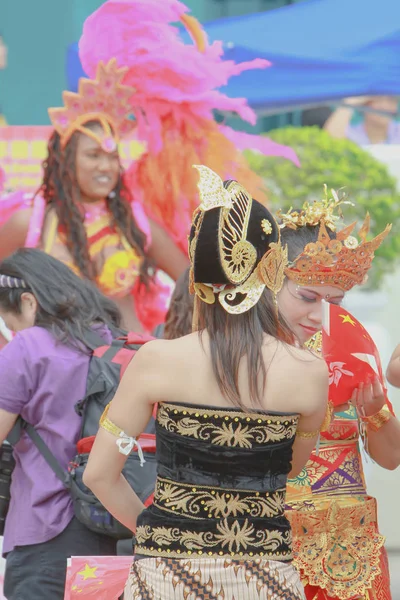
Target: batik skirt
column 212, row 579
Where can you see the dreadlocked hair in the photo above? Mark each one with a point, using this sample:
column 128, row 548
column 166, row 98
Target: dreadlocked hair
column 61, row 191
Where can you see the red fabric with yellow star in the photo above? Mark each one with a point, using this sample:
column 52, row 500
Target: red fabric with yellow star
column 350, row 353
column 97, row 577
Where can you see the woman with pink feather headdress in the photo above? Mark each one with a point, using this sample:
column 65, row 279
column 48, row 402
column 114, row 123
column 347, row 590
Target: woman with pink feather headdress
column 176, row 93
column 84, row 213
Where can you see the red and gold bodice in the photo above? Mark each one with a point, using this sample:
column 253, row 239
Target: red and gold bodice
column 118, row 263
column 337, row 546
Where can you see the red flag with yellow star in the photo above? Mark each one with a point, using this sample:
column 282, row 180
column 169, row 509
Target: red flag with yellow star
column 349, row 351
column 97, row 577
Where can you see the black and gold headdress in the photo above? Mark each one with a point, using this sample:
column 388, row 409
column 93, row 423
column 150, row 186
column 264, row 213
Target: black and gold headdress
column 234, row 246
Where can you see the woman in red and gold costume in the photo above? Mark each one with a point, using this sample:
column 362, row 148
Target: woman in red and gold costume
column 84, row 214
column 91, row 216
column 338, row 548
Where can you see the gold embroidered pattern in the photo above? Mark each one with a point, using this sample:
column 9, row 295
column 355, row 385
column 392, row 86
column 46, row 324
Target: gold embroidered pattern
column 331, row 262
column 271, row 268
column 211, row 190
column 238, row 256
column 315, row 343
column 338, row 549
column 205, row 502
column 234, row 538
column 245, row 281
column 251, row 289
column 341, row 261
column 337, row 470
column 266, row 226
column 226, row 428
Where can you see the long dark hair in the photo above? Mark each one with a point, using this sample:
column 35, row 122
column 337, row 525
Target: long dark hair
column 60, row 190
column 233, row 337
column 67, row 306
column 178, row 321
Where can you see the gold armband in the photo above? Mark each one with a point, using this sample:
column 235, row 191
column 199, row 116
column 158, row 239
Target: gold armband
column 307, row 435
column 376, row 421
column 125, row 442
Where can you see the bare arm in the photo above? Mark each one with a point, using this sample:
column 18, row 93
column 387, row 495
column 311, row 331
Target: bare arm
column 7, row 421
column 164, row 252
column 383, row 445
column 339, row 120
column 314, row 388
column 131, row 410
column 13, row 233
column 393, row 370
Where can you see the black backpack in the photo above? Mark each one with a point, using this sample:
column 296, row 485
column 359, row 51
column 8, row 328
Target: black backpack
column 107, row 365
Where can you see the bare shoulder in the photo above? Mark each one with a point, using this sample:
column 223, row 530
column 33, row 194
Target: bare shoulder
column 20, row 220
column 303, row 358
column 152, row 351
column 168, row 355
column 153, row 369
column 14, row 231
column 308, row 368
column 310, row 381
column 308, row 373
column 156, row 353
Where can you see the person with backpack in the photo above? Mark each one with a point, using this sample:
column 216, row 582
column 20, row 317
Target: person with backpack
column 231, row 424
column 43, row 375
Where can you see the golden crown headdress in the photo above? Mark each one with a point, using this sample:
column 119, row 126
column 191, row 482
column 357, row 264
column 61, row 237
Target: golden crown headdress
column 343, row 261
column 239, row 277
column 104, row 99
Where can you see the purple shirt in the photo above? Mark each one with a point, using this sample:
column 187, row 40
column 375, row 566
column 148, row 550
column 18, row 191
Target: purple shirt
column 41, row 379
column 357, row 134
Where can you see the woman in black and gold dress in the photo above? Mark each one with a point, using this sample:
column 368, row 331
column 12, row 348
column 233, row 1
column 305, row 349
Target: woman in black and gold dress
column 239, row 410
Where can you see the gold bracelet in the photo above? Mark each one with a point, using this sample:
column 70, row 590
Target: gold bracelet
column 376, row 421
column 329, row 414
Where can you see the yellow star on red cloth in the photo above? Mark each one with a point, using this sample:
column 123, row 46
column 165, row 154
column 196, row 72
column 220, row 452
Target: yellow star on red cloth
column 88, row 572
column 347, row 319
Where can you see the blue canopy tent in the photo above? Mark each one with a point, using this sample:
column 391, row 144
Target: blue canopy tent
column 321, row 50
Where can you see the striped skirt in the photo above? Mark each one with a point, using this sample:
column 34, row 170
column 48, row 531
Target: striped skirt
column 212, row 579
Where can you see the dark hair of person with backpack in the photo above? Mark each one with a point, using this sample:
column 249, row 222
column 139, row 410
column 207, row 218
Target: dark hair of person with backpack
column 43, row 375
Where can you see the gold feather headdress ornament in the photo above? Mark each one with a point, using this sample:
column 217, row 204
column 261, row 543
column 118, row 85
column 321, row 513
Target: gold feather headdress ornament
column 243, row 277
column 343, row 261
column 105, row 99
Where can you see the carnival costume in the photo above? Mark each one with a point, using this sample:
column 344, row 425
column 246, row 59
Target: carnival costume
column 106, row 100
column 212, row 532
column 336, row 541
column 177, row 94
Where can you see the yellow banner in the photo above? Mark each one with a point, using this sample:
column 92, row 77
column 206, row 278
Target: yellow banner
column 23, row 149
